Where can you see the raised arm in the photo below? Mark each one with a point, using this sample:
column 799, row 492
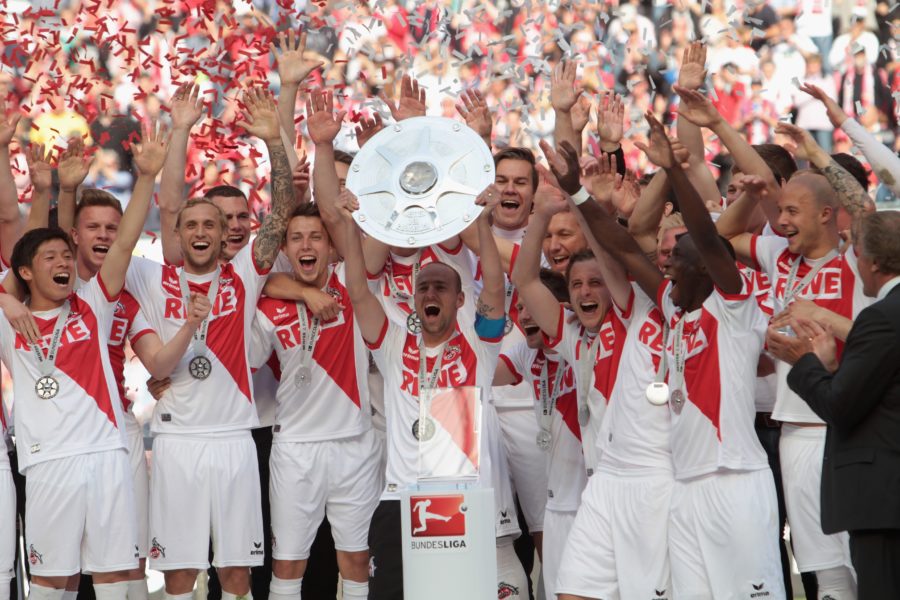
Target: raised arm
column 161, row 359
column 261, row 121
column 563, row 98
column 721, row 266
column 41, row 172
column 185, row 109
column 293, row 69
column 474, row 109
column 526, row 275
column 697, row 108
column 491, row 301
column 368, row 311
column 10, row 219
column 323, row 126
column 853, row 197
column 734, row 223
column 72, row 168
column 149, row 157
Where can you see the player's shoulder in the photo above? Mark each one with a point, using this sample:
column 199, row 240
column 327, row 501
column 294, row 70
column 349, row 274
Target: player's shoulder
column 277, row 311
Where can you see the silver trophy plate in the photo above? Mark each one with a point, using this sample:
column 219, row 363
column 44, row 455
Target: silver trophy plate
column 417, row 181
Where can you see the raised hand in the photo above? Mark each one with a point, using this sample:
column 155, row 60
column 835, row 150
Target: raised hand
column 293, row 68
column 659, row 148
column 564, row 164
column 548, row 198
column 368, row 127
column 150, row 155
column 836, row 114
column 802, row 145
column 260, row 118
column 7, row 125
column 300, row 177
column 692, row 75
column 626, row 194
column 198, row 309
column 581, row 114
column 682, row 154
column 610, row 120
column 562, row 86
column 412, row 100
column 489, row 198
column 73, row 165
column 39, row 168
column 475, row 111
column 321, row 122
column 20, row 318
column 696, row 108
column 603, row 180
column 322, row 305
column 754, row 185
column 186, row 106
column 346, row 203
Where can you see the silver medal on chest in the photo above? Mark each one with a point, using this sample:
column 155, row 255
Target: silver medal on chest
column 46, row 387
column 200, row 367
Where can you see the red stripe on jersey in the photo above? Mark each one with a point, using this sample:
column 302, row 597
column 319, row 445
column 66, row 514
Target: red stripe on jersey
column 611, row 338
column 126, row 309
column 79, row 355
column 567, row 402
column 454, row 409
column 225, row 337
column 702, row 375
column 274, row 366
column 512, row 368
column 458, row 367
column 403, row 273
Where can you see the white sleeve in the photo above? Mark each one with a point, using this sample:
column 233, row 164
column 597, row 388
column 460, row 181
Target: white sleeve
column 884, row 162
column 253, row 279
column 764, row 250
column 142, row 277
column 566, row 340
column 261, row 341
column 387, row 350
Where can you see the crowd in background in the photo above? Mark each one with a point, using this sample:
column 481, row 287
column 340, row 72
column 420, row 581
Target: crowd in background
column 97, row 67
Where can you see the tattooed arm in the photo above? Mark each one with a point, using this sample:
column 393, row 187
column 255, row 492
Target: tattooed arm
column 853, row 197
column 261, row 120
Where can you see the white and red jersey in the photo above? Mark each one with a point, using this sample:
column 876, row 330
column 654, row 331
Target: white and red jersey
column 836, row 286
column 223, row 401
column 468, row 360
column 128, row 323
column 4, row 460
column 722, row 340
column 566, row 471
column 575, row 344
column 401, row 269
column 85, row 415
column 635, row 433
column 335, row 404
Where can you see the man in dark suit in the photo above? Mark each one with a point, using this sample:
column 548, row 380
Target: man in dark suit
column 859, row 399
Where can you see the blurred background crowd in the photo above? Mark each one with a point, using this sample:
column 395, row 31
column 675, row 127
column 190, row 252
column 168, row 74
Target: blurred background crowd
column 97, row 67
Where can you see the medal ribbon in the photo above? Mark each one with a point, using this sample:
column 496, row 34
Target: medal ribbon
column 678, row 352
column 663, row 369
column 199, row 343
column 790, row 290
column 548, row 397
column 585, row 371
column 427, row 384
column 48, row 364
column 308, row 338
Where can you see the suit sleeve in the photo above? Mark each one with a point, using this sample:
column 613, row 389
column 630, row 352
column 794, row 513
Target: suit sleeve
column 845, row 398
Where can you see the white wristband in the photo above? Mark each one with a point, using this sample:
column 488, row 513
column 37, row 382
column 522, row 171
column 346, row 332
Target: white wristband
column 580, row 197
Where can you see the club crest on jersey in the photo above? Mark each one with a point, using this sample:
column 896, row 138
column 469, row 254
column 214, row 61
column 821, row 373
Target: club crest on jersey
column 506, row 590
column 157, row 550
column 452, row 352
column 34, row 557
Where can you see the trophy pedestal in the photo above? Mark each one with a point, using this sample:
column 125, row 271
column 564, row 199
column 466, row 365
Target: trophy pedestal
column 449, row 542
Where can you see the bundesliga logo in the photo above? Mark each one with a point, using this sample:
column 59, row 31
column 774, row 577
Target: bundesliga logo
column 437, row 516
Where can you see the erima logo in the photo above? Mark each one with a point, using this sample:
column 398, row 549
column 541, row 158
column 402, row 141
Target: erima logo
column 660, row 594
column 505, row 590
column 257, row 549
column 759, row 593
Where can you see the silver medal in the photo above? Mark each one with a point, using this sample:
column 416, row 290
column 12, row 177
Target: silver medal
column 46, row 387
column 658, row 393
column 200, row 367
column 428, row 432
column 543, row 439
column 584, row 415
column 677, row 401
column 413, row 323
column 304, row 376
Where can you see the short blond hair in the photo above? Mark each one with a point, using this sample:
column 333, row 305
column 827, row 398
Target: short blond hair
column 223, row 220
column 672, row 221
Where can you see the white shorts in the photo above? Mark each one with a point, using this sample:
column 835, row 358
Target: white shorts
column 559, row 524
column 340, row 478
column 723, row 537
column 140, row 475
column 79, row 515
column 495, row 472
column 7, row 526
column 617, row 547
column 802, row 449
column 202, row 486
column 520, row 429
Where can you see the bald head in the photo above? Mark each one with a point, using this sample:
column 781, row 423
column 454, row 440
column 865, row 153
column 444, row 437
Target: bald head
column 439, row 270
column 817, row 186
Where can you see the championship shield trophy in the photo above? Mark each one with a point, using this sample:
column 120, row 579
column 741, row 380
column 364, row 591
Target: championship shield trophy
column 448, row 520
column 417, row 181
